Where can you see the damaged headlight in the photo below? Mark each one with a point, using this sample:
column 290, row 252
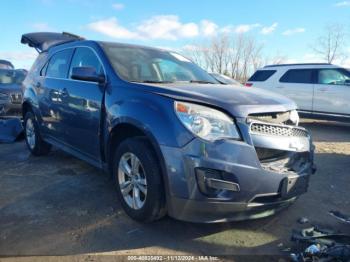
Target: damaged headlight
column 205, row 122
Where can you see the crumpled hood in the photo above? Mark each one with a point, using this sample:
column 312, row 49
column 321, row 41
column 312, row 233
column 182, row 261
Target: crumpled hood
column 239, row 101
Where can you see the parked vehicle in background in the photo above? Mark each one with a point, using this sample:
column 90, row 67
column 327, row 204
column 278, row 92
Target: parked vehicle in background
column 11, row 92
column 320, row 90
column 4, row 64
column 225, row 80
column 174, row 140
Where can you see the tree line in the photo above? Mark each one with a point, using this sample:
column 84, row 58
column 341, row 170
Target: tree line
column 240, row 55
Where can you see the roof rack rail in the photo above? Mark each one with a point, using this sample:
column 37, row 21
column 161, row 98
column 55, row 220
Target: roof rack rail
column 42, row 41
column 300, row 64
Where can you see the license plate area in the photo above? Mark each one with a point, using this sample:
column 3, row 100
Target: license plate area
column 294, row 186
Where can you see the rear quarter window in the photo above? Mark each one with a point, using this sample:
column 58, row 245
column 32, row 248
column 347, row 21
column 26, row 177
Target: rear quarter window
column 298, row 76
column 261, row 75
column 36, row 67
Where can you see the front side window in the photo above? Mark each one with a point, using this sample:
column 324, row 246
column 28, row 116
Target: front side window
column 298, row 76
column 85, row 57
column 333, row 77
column 59, row 64
column 138, row 64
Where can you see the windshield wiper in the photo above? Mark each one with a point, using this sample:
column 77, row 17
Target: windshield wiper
column 151, row 81
column 201, row 82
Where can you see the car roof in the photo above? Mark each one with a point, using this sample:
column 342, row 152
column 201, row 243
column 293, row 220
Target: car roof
column 44, row 41
column 117, row 44
column 301, row 66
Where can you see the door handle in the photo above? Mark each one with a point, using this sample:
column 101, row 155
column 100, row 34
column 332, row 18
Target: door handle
column 279, row 86
column 64, row 92
column 323, row 89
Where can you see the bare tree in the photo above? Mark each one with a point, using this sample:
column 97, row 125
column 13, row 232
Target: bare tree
column 257, row 58
column 237, row 56
column 220, row 53
column 196, row 52
column 278, row 59
column 330, row 46
column 246, row 56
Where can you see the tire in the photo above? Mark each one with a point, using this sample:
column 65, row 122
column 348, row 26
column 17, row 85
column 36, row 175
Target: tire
column 36, row 145
column 144, row 177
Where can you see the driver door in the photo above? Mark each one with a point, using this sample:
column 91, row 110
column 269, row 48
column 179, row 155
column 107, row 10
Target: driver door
column 82, row 105
column 332, row 91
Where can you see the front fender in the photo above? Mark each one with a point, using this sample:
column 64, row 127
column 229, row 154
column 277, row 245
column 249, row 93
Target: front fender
column 149, row 112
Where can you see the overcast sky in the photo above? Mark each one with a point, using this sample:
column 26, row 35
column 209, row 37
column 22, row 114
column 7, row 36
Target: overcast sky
column 286, row 28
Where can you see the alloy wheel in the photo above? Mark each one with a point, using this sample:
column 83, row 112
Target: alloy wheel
column 30, row 133
column 132, row 180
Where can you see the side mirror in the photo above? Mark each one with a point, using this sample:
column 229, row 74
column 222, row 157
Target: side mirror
column 87, row 74
column 347, row 82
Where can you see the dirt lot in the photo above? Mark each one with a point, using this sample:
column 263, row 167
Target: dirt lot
column 58, row 205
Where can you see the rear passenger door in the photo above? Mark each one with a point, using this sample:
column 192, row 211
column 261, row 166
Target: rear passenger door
column 82, row 102
column 332, row 92
column 298, row 85
column 50, row 89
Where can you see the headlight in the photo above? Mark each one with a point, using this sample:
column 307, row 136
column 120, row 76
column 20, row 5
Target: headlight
column 205, row 122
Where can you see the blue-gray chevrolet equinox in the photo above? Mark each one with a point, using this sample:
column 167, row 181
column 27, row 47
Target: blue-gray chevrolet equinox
column 174, row 140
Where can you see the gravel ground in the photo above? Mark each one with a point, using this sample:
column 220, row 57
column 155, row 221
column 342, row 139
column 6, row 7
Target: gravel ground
column 58, row 205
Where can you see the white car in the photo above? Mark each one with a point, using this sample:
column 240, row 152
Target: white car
column 320, row 90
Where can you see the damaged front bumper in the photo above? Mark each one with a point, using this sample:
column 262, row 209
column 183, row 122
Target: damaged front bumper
column 235, row 180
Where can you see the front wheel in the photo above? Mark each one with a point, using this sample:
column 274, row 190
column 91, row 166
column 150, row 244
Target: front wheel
column 34, row 142
column 137, row 176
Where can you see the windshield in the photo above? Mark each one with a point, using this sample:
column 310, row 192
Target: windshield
column 4, row 64
column 12, row 76
column 138, row 64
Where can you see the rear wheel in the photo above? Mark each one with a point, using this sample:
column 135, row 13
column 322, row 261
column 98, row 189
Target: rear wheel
column 35, row 144
column 137, row 176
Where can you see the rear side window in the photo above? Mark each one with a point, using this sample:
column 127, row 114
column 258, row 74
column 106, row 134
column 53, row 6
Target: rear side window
column 261, row 75
column 38, row 64
column 59, row 64
column 298, row 76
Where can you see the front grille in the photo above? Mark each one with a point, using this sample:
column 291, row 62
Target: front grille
column 276, row 130
column 16, row 98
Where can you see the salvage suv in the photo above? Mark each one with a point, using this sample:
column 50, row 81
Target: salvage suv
column 174, row 140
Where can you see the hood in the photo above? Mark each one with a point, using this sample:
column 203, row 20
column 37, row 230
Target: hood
column 237, row 100
column 10, row 88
